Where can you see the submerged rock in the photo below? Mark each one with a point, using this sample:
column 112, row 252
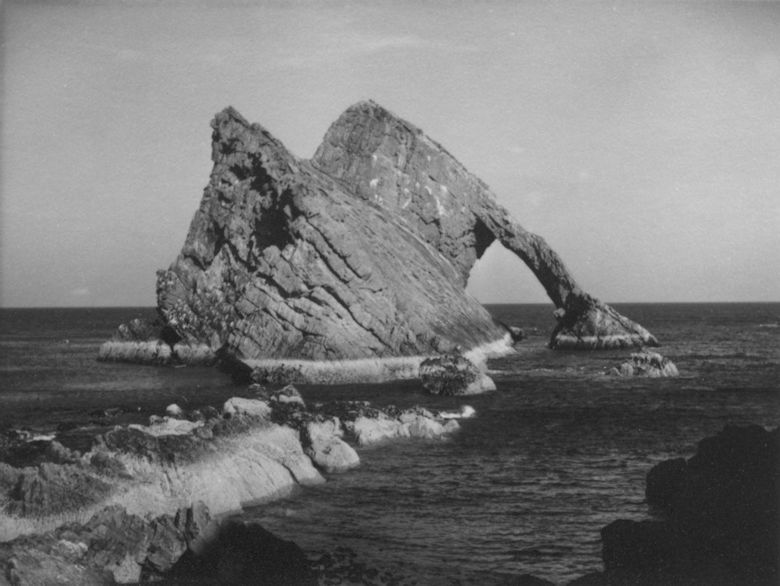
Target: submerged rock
column 517, row 333
column 649, row 364
column 371, row 426
column 363, row 252
column 454, row 374
column 173, row 410
column 288, row 394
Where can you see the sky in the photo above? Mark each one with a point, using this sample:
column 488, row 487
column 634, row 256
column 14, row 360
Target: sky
column 640, row 139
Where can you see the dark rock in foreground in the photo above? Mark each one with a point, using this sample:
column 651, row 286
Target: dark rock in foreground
column 113, row 513
column 115, row 547
column 717, row 518
column 112, row 547
column 363, row 252
column 245, row 553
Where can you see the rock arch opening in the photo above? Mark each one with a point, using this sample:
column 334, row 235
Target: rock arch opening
column 500, row 276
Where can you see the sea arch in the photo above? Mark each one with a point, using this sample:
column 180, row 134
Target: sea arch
column 393, row 164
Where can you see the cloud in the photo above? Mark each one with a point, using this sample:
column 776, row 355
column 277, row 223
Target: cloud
column 374, row 43
column 355, row 45
column 80, row 292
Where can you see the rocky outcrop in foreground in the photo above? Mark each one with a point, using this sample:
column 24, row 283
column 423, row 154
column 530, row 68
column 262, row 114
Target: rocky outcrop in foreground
column 115, row 547
column 715, row 518
column 360, row 254
column 254, row 450
column 146, row 502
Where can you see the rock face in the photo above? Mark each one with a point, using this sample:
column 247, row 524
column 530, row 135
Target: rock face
column 391, row 163
column 115, row 547
column 245, row 553
column 224, row 463
column 254, row 450
column 363, row 252
column 717, row 518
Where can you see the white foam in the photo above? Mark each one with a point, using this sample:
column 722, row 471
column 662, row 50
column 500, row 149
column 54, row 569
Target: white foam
column 373, row 370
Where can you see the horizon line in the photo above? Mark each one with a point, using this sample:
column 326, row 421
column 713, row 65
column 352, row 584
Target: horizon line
column 14, row 307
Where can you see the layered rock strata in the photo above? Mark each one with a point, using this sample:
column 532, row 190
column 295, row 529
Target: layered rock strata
column 393, row 164
column 359, row 256
column 255, row 450
column 190, row 547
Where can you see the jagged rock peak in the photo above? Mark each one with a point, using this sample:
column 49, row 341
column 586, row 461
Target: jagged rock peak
column 362, row 252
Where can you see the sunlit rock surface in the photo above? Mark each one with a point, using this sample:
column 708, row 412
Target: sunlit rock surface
column 363, row 252
column 254, row 450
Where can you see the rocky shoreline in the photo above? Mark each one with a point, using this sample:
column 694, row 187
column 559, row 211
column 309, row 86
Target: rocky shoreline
column 147, row 502
column 143, row 481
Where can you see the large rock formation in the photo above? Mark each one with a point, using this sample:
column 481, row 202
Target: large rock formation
column 363, row 252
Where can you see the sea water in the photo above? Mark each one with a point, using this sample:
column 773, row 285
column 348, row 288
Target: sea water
column 556, row 453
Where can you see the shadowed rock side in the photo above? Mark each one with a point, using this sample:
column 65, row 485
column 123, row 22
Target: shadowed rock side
column 282, row 262
column 715, row 518
column 362, row 253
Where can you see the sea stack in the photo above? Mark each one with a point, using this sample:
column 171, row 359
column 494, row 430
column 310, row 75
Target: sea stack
column 360, row 254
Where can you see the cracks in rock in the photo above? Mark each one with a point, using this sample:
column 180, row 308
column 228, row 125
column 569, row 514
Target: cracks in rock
column 370, row 330
column 279, row 318
column 343, row 257
column 333, row 293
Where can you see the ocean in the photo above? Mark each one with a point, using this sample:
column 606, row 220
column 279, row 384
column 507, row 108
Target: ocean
column 556, row 453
